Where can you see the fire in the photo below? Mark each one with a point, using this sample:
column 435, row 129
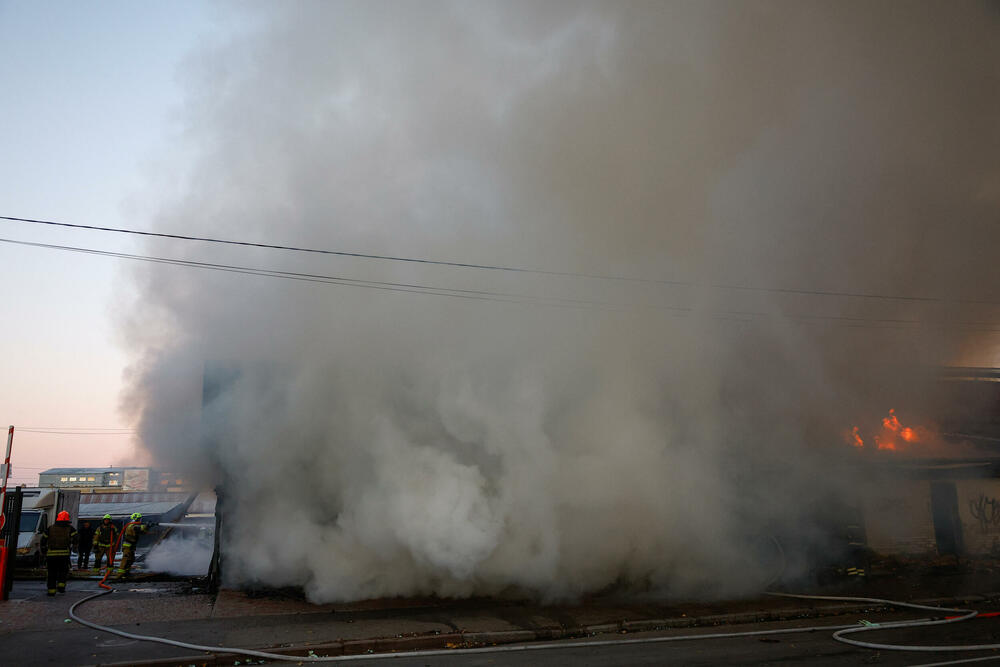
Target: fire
column 891, row 422
column 885, row 444
column 893, row 436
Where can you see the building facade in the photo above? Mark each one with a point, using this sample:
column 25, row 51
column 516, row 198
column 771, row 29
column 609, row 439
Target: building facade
column 112, row 479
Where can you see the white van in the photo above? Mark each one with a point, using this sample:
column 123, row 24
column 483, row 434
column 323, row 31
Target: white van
column 39, row 509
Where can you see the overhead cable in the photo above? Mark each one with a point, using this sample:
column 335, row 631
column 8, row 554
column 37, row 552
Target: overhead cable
column 515, row 298
column 495, row 267
column 342, row 253
column 51, row 432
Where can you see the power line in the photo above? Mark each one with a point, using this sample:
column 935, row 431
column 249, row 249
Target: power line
column 433, row 290
column 73, row 428
column 506, row 297
column 493, row 267
column 341, row 253
column 44, row 432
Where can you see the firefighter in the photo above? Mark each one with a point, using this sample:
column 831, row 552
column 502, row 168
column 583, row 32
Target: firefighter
column 104, row 541
column 130, row 536
column 85, row 541
column 56, row 543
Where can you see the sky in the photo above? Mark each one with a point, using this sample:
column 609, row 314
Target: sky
column 91, row 92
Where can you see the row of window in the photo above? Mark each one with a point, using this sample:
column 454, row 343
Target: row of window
column 113, row 482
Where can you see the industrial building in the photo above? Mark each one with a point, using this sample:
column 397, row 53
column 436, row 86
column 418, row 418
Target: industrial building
column 131, row 478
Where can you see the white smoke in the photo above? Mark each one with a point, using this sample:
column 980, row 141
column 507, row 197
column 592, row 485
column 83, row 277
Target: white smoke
column 181, row 555
column 637, row 434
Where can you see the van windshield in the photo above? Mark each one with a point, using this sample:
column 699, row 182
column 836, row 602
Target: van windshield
column 29, row 521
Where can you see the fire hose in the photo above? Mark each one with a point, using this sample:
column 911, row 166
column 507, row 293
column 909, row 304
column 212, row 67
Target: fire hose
column 111, row 558
column 839, row 635
column 840, row 632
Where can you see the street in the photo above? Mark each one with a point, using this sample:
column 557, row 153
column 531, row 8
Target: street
column 165, row 610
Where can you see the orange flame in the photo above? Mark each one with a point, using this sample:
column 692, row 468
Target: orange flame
column 893, row 436
column 891, row 422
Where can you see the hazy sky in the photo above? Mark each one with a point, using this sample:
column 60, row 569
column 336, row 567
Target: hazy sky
column 90, row 96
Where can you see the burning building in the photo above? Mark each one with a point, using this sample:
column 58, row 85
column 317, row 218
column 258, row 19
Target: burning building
column 935, row 485
column 569, row 295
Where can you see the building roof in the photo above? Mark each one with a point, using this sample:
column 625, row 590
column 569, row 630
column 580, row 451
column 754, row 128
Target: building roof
column 164, row 506
column 117, row 510
column 81, row 471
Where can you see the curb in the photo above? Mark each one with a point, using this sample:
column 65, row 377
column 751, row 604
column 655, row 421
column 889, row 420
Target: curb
column 456, row 640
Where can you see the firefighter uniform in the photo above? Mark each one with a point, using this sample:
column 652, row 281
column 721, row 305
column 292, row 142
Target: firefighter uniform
column 104, row 541
column 130, row 537
column 57, row 541
column 85, row 542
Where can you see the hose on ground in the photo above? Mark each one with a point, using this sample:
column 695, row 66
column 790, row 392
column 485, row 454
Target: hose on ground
column 172, row 642
column 965, row 614
column 839, row 634
column 491, row 649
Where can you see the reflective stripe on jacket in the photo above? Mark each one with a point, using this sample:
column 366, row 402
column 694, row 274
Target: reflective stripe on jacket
column 132, row 532
column 58, row 538
column 105, row 535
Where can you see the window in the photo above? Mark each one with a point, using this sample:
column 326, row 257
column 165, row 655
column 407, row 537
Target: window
column 72, row 479
column 113, row 482
column 178, row 481
column 28, row 522
column 64, row 479
column 90, row 479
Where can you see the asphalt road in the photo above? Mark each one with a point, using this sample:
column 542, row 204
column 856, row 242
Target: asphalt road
column 82, row 646
column 812, row 648
column 73, row 644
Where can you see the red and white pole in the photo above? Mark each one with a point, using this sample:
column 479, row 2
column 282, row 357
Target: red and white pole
column 6, row 473
column 13, row 529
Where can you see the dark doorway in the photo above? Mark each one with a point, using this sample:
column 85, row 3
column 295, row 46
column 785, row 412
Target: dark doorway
column 947, row 526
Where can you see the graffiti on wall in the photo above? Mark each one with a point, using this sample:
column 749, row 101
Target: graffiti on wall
column 986, row 511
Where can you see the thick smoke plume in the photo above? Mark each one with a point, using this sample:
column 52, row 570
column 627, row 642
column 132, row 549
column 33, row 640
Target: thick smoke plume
column 769, row 172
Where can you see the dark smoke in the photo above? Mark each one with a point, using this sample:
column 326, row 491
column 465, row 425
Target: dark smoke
column 645, row 435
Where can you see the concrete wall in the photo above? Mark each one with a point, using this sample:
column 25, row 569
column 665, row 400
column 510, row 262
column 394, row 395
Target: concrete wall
column 898, row 519
column 979, row 512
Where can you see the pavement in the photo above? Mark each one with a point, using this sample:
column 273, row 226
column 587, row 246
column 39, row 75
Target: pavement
column 36, row 629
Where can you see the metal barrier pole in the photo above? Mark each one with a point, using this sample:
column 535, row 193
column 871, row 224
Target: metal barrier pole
column 8, row 539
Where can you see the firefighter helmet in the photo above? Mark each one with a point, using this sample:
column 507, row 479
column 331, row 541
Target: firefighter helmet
column 62, row 516
column 107, row 516
column 136, row 516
